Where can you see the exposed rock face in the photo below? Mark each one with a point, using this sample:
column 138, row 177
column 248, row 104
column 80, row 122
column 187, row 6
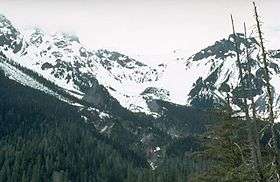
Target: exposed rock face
column 154, row 106
column 156, row 92
column 10, row 38
column 95, row 96
column 46, row 66
column 219, row 63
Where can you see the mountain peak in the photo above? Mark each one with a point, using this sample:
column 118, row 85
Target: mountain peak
column 225, row 48
column 10, row 37
column 3, row 18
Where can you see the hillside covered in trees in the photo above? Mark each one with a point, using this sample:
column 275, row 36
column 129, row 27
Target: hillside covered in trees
column 227, row 132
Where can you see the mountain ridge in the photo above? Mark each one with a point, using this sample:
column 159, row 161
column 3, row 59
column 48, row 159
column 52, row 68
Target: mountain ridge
column 195, row 81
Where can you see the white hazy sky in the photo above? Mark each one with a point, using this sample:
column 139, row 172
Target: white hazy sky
column 147, row 27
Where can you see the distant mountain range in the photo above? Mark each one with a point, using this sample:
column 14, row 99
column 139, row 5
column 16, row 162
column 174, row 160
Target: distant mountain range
column 93, row 75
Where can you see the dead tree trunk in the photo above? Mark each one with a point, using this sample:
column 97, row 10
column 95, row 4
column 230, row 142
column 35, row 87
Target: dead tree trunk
column 269, row 95
column 254, row 121
column 228, row 104
column 246, row 107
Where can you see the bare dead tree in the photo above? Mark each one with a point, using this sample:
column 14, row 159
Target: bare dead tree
column 228, row 104
column 225, row 88
column 245, row 105
column 255, row 136
column 276, row 159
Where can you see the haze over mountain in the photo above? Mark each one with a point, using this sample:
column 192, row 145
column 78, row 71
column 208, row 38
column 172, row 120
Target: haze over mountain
column 146, row 28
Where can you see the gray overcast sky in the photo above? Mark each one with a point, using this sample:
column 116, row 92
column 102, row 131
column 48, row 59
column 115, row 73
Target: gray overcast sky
column 144, row 26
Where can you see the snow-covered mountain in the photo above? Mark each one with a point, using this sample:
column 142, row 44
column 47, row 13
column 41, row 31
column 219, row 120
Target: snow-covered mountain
column 215, row 68
column 63, row 60
column 198, row 80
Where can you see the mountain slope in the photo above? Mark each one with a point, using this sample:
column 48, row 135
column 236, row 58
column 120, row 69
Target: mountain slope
column 143, row 135
column 219, row 66
column 43, row 138
column 87, row 75
column 62, row 59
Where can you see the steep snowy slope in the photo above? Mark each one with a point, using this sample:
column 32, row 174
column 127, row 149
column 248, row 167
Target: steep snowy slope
column 15, row 74
column 62, row 59
column 215, row 67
